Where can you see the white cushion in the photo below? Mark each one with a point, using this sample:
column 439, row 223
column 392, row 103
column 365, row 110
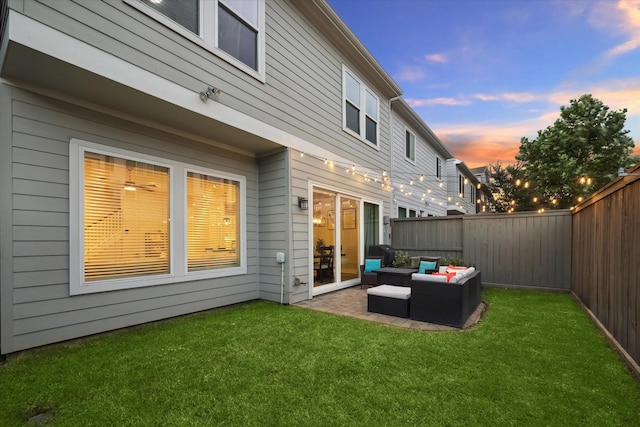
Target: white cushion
column 455, row 279
column 428, row 278
column 390, row 291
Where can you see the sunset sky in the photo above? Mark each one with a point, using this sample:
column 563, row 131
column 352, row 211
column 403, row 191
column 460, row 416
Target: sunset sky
column 482, row 74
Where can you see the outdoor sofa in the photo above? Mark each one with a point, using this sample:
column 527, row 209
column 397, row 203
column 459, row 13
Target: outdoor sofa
column 450, row 302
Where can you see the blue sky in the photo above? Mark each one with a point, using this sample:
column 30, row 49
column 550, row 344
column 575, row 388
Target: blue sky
column 484, row 73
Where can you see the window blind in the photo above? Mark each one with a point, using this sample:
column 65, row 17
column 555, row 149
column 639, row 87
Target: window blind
column 126, row 218
column 212, row 222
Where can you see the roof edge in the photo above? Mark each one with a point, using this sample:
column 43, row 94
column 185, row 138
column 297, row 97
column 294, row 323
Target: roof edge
column 327, row 21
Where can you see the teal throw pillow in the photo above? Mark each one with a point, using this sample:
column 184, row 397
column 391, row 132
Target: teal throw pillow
column 426, row 266
column 371, row 265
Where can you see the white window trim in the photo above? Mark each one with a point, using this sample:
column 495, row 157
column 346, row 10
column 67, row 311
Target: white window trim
column 177, row 223
column 208, row 37
column 363, row 109
column 413, row 148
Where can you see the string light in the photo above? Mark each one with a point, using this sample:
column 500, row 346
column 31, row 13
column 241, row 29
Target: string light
column 385, row 178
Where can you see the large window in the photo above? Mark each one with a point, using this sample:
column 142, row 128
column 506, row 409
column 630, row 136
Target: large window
column 360, row 108
column 438, row 168
column 212, row 222
column 138, row 220
column 126, row 218
column 410, row 146
column 233, row 29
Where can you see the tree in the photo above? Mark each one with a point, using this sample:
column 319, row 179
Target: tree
column 510, row 188
column 588, row 140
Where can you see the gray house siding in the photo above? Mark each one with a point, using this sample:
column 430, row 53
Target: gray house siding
column 36, row 306
column 298, row 105
column 306, row 170
column 303, row 84
column 425, row 164
column 274, row 226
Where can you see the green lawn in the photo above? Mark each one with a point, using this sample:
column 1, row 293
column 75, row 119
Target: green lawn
column 534, row 359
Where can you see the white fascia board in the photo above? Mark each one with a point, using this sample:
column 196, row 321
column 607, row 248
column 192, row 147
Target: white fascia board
column 33, row 34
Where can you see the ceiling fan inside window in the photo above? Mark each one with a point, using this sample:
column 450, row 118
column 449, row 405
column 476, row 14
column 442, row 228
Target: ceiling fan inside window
column 131, row 185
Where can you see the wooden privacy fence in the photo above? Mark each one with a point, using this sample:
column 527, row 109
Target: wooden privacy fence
column 594, row 251
column 606, row 260
column 518, row 249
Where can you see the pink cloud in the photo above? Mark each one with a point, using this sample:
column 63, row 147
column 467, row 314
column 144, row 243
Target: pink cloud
column 440, row 58
column 629, row 15
column 519, row 97
column 411, row 74
column 414, row 102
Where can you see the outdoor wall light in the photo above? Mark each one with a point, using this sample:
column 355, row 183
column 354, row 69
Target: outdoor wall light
column 209, row 93
column 303, row 203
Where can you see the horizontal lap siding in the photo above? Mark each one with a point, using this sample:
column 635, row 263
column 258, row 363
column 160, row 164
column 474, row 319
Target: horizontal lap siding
column 404, row 171
column 305, row 72
column 302, row 92
column 273, row 223
column 42, row 310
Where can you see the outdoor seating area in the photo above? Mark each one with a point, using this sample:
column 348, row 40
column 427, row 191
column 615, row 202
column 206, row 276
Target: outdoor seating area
column 442, row 298
column 445, row 295
column 353, row 302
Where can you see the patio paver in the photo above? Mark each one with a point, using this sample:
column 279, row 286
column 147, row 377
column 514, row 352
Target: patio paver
column 352, row 302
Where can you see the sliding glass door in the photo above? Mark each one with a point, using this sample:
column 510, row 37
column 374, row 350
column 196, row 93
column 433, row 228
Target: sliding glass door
column 341, row 223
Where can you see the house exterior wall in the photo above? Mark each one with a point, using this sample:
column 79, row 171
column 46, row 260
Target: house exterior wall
column 36, row 306
column 427, row 196
column 465, row 202
column 117, row 77
column 274, row 225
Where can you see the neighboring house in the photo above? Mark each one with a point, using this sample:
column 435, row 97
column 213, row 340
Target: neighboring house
column 462, row 188
column 418, row 166
column 484, row 196
column 156, row 162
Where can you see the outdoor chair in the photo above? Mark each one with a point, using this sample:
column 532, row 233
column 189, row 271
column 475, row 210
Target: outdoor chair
column 430, row 266
column 368, row 276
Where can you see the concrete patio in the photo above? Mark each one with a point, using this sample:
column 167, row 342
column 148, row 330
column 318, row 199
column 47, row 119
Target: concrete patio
column 352, row 302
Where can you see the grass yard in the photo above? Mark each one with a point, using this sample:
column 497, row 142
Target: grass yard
column 535, row 359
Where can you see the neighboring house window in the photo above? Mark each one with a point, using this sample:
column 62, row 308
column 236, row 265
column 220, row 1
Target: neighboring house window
column 360, row 108
column 141, row 220
column 460, row 186
column 412, row 213
column 402, row 212
column 232, row 28
column 473, row 195
column 410, row 146
column 438, row 168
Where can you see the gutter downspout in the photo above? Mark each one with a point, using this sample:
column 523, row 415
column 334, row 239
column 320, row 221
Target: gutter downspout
column 391, row 168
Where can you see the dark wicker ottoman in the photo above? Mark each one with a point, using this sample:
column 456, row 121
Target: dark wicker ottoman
column 389, row 300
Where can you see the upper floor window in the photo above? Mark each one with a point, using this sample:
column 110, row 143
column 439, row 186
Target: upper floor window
column 410, row 146
column 233, row 29
column 360, row 108
column 438, row 168
column 460, row 186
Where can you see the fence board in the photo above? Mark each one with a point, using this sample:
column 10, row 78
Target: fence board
column 605, row 263
column 510, row 249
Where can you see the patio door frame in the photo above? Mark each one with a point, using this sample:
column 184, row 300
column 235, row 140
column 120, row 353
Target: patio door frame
column 339, row 193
